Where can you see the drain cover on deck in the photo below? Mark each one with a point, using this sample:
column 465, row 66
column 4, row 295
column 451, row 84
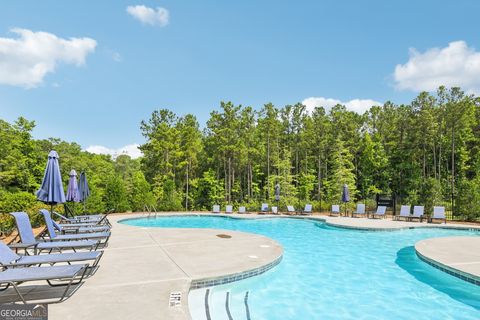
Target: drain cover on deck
column 224, row 236
column 175, row 299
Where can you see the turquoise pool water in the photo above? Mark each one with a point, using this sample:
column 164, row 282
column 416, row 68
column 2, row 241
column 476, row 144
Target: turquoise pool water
column 333, row 273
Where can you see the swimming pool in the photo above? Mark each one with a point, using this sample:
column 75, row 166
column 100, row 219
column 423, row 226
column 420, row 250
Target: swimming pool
column 334, row 273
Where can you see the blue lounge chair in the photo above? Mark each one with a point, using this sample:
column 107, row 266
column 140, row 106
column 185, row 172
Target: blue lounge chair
column 9, row 259
column 101, row 236
column 439, row 214
column 72, row 227
column 84, row 220
column 291, row 210
column 28, row 240
column 360, row 210
column 67, row 276
column 229, row 209
column 216, row 208
column 418, row 213
column 335, row 212
column 264, row 208
column 381, row 210
column 307, row 210
column 404, row 213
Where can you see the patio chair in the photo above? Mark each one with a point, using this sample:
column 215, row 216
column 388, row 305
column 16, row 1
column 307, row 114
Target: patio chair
column 418, row 213
column 381, row 210
column 102, row 236
column 360, row 210
column 275, row 210
column 28, row 240
column 335, row 212
column 264, row 208
column 439, row 214
column 291, row 210
column 404, row 213
column 97, row 220
column 229, row 209
column 94, row 218
column 216, row 208
column 242, row 210
column 62, row 228
column 67, row 275
column 9, row 259
column 307, row 210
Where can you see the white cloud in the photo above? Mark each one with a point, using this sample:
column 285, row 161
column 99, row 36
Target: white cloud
column 457, row 65
column 357, row 105
column 131, row 150
column 116, row 57
column 24, row 61
column 159, row 16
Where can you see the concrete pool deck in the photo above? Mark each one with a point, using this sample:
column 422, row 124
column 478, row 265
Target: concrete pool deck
column 459, row 256
column 142, row 266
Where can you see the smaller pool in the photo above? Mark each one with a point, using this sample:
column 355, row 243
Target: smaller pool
column 334, row 273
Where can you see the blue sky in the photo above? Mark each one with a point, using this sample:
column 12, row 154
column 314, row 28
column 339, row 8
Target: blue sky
column 190, row 55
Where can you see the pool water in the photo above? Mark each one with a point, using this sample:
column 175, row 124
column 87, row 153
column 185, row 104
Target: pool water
column 334, row 273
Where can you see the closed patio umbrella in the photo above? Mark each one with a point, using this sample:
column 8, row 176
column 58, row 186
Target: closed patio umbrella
column 345, row 197
column 83, row 188
column 73, row 194
column 51, row 191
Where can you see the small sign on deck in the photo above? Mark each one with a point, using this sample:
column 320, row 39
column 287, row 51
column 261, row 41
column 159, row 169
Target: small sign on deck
column 175, row 299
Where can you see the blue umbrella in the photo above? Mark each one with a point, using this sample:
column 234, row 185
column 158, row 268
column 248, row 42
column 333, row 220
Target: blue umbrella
column 73, row 194
column 345, row 196
column 83, row 188
column 277, row 192
column 51, row 191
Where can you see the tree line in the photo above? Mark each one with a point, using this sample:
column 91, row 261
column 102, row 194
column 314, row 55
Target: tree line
column 425, row 152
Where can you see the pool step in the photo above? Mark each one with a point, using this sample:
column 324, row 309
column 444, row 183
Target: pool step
column 205, row 304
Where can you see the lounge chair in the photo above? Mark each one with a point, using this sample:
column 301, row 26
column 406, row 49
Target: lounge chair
column 53, row 236
column 418, row 213
column 404, row 213
column 28, row 240
column 381, row 210
column 360, row 210
column 439, row 214
column 73, row 228
column 242, row 210
column 67, row 275
column 264, row 208
column 69, row 228
column 81, row 219
column 97, row 220
column 307, row 210
column 8, row 258
column 229, row 209
column 335, row 212
column 291, row 210
column 216, row 208
column 275, row 210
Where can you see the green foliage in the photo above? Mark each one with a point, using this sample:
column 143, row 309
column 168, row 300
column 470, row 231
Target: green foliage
column 210, row 191
column 169, row 199
column 422, row 152
column 115, row 196
column 141, row 194
column 468, row 199
column 430, row 194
